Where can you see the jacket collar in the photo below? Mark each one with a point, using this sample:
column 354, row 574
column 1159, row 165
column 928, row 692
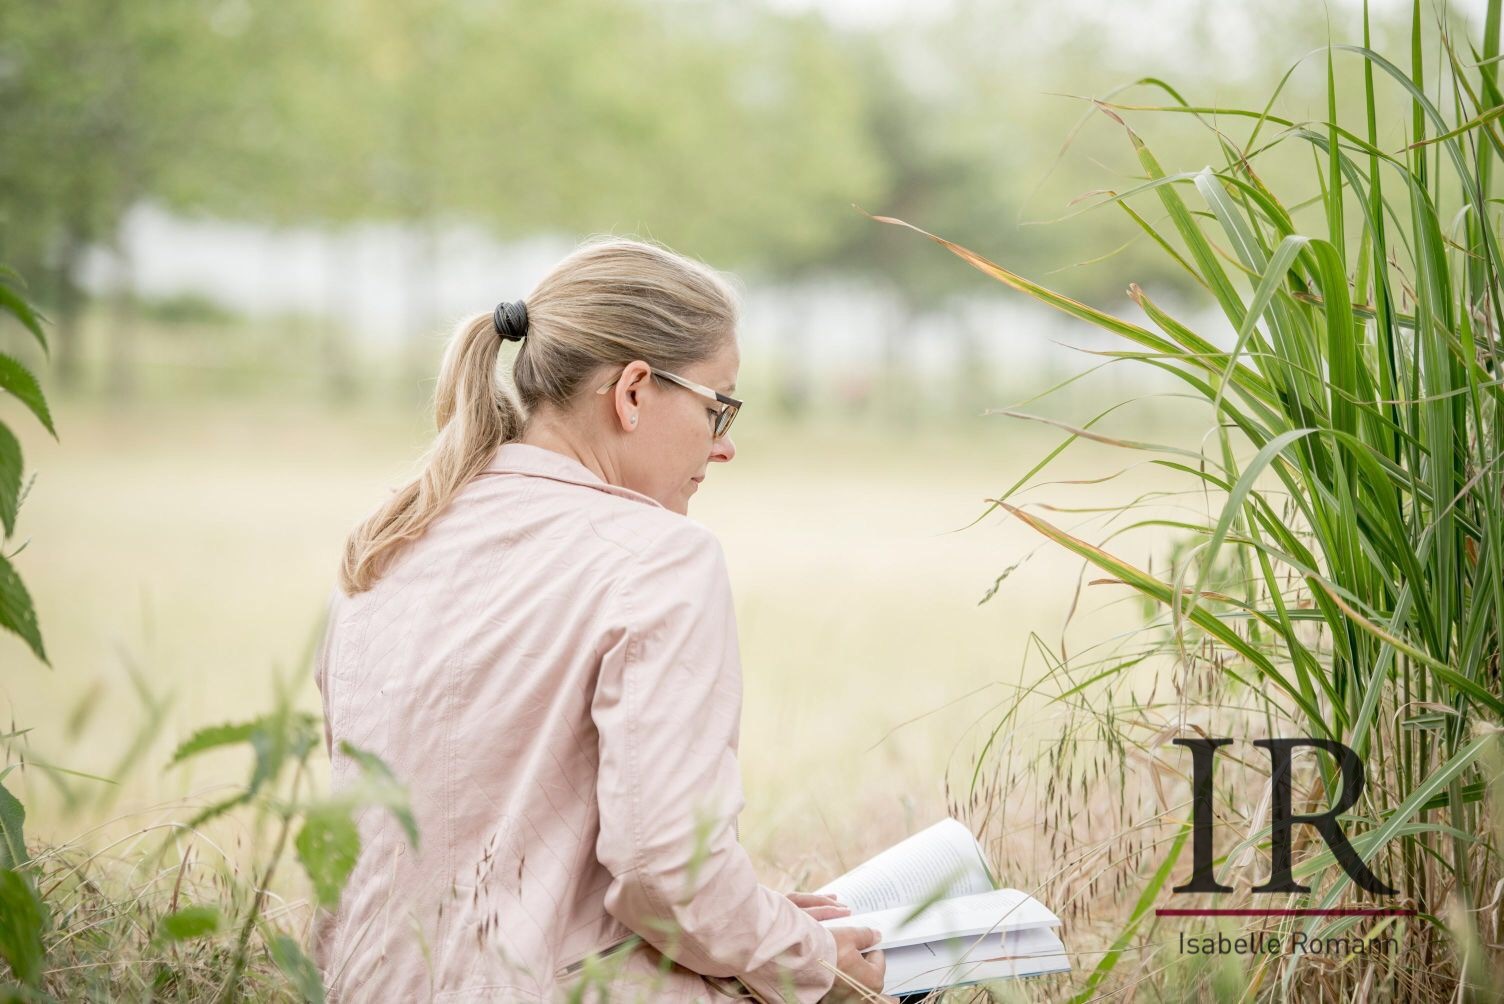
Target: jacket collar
column 535, row 461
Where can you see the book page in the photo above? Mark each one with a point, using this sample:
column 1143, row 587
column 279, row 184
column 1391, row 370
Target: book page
column 971, row 916
column 922, row 968
column 944, row 859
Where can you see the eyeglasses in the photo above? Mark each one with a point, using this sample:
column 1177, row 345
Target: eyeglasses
column 722, row 417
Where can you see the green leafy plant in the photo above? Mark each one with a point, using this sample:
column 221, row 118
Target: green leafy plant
column 1347, row 580
column 16, row 612
column 23, row 916
column 78, row 921
column 327, row 842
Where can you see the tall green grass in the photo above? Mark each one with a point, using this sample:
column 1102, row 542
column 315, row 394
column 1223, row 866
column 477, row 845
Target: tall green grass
column 1346, row 578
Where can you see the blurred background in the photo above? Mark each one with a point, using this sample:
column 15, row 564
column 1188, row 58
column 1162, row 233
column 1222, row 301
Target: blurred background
column 252, row 226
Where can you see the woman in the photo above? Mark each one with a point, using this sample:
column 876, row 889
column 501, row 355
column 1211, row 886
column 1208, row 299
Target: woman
column 542, row 646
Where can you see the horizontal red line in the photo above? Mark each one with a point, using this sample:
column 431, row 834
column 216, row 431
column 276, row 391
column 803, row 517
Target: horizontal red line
column 1335, row 912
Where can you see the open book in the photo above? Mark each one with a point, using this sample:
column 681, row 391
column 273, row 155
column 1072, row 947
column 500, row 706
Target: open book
column 943, row 923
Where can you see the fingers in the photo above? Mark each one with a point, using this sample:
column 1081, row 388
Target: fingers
column 874, row 970
column 874, row 961
column 869, row 970
column 859, row 939
column 820, row 906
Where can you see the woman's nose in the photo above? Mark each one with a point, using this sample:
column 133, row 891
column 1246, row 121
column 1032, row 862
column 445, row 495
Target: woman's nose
column 722, row 449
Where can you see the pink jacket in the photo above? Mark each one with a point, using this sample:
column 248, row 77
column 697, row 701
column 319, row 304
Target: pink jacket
column 552, row 670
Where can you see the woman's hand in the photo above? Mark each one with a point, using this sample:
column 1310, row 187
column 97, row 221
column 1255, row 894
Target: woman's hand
column 819, row 905
column 866, row 971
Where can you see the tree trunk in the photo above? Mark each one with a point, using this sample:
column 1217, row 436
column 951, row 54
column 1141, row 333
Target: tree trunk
column 63, row 339
column 973, row 385
column 418, row 362
column 898, row 383
column 791, row 348
column 338, row 362
column 121, row 374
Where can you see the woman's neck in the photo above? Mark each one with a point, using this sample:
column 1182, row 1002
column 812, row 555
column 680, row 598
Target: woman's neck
column 545, row 434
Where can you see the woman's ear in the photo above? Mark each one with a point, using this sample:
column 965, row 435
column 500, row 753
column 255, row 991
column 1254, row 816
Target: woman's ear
column 634, row 378
column 636, row 375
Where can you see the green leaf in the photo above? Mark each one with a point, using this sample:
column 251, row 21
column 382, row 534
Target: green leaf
column 328, row 845
column 269, row 752
column 18, row 380
column 16, row 612
column 1140, row 910
column 271, row 737
column 218, row 809
column 297, row 968
column 10, row 479
column 279, row 735
column 12, row 838
column 190, row 922
column 212, row 737
column 12, row 302
column 1065, row 304
column 22, row 920
column 1167, row 596
column 1234, row 504
column 380, row 777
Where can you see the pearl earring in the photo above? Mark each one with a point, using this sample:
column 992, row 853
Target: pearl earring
column 634, row 419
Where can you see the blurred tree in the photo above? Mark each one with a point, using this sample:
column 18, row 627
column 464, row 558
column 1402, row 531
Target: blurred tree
column 692, row 122
column 104, row 99
column 728, row 130
column 689, row 122
column 947, row 126
column 718, row 128
column 297, row 125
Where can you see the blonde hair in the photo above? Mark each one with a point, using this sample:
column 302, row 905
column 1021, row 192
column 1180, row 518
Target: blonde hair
column 609, row 302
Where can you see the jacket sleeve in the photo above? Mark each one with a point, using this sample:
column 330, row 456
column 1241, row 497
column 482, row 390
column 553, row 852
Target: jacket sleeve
column 667, row 707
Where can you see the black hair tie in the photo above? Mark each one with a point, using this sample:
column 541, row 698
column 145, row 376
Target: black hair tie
column 510, row 319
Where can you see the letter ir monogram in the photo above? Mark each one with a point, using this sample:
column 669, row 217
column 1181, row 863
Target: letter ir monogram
column 1203, row 756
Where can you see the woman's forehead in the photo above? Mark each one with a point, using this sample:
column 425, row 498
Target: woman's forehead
column 720, row 369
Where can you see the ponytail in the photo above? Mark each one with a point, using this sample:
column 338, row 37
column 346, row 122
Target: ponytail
column 474, row 415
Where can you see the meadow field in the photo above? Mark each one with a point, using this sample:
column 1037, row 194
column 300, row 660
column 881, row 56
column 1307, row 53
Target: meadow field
column 181, row 553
